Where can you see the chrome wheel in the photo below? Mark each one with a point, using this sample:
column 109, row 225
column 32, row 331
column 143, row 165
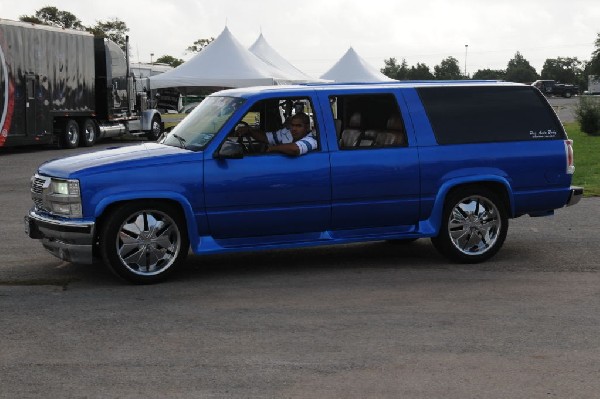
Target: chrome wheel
column 155, row 129
column 148, row 242
column 70, row 136
column 474, row 225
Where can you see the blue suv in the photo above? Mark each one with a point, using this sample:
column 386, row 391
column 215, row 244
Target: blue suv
column 453, row 161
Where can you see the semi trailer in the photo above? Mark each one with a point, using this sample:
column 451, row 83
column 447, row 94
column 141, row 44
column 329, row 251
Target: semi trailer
column 67, row 87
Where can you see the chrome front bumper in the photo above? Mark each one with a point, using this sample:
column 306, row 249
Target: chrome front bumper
column 575, row 195
column 68, row 240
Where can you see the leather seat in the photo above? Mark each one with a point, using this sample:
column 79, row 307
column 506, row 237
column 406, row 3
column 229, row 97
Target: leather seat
column 394, row 134
column 352, row 133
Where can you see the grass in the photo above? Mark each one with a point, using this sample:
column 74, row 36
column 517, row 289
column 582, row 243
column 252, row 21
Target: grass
column 586, row 150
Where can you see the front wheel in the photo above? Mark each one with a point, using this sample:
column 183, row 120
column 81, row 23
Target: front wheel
column 568, row 94
column 474, row 225
column 155, row 129
column 144, row 243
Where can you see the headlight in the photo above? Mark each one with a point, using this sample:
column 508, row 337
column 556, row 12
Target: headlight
column 58, row 196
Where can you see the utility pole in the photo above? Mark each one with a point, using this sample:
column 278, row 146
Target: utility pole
column 466, row 48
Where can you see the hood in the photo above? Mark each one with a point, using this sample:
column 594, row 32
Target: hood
column 119, row 157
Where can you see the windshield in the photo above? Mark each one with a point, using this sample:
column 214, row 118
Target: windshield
column 199, row 127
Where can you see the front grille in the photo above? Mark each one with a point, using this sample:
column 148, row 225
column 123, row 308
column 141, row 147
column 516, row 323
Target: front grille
column 37, row 185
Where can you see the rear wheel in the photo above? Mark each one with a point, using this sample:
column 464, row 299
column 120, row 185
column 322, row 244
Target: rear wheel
column 89, row 132
column 144, row 243
column 568, row 94
column 70, row 134
column 474, row 225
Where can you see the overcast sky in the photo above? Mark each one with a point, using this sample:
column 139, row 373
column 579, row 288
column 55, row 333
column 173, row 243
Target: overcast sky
column 314, row 34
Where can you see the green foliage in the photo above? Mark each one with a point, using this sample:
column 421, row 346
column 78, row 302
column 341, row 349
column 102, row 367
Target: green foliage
column 420, row 72
column 115, row 30
column 448, row 70
column 593, row 67
column 54, row 17
column 563, row 70
column 401, row 71
column 520, row 70
column 170, row 60
column 489, row 74
column 588, row 115
column 587, row 162
column 394, row 70
column 199, row 45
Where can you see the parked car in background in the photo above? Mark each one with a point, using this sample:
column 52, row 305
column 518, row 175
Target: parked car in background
column 552, row 88
column 452, row 161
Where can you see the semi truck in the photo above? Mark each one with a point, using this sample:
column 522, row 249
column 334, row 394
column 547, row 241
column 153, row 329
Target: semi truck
column 67, row 87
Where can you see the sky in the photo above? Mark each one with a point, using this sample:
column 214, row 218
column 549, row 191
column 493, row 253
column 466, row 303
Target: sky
column 314, row 34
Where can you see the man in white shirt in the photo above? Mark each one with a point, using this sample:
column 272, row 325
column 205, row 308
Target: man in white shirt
column 295, row 140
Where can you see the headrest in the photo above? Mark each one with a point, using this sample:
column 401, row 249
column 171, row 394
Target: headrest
column 395, row 123
column 355, row 120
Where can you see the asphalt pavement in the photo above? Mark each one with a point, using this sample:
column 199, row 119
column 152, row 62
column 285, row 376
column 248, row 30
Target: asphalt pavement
column 376, row 320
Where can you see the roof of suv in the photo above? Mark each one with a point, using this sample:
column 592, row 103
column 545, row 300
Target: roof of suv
column 248, row 91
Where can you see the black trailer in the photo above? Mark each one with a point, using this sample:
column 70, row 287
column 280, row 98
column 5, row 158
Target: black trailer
column 67, row 87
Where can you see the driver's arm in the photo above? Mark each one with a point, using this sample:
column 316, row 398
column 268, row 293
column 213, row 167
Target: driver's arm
column 288, row 149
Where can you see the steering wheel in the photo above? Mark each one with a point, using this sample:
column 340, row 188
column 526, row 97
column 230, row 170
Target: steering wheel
column 246, row 140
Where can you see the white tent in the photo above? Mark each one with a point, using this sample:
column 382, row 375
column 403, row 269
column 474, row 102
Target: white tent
column 223, row 63
column 352, row 68
column 265, row 52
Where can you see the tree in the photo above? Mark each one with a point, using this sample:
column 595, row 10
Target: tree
column 520, row 70
column 490, row 74
column 393, row 70
column 564, row 70
column 593, row 68
column 170, row 60
column 114, row 29
column 420, row 72
column 448, row 69
column 54, row 17
column 199, row 45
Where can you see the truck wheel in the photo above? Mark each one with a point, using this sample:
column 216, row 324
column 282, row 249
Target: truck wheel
column 155, row 129
column 70, row 135
column 89, row 133
column 568, row 94
column 145, row 242
column 474, row 225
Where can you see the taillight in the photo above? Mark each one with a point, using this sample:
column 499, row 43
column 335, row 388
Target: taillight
column 569, row 153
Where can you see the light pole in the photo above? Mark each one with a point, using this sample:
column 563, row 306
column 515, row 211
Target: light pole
column 151, row 55
column 466, row 48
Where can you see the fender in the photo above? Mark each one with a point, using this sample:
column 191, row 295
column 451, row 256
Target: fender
column 146, row 118
column 430, row 227
column 150, row 195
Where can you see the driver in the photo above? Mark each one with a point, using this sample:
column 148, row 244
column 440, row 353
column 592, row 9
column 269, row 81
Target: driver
column 298, row 139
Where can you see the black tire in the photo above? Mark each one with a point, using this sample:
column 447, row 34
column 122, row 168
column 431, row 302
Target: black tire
column 144, row 242
column 156, row 129
column 474, row 225
column 89, row 133
column 70, row 134
column 568, row 94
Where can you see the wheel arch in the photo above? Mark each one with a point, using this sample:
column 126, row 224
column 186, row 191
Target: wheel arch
column 106, row 205
column 497, row 184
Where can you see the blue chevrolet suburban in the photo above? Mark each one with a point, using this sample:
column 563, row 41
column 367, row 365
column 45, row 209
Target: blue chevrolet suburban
column 453, row 161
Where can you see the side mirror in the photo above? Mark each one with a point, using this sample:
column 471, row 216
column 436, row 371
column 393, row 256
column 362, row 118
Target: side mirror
column 230, row 150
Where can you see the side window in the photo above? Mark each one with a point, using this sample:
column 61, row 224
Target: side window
column 483, row 114
column 269, row 123
column 368, row 121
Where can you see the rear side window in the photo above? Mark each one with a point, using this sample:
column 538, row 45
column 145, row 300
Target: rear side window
column 488, row 114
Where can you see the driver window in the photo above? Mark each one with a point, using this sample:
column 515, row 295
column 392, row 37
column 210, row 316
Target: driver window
column 277, row 121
